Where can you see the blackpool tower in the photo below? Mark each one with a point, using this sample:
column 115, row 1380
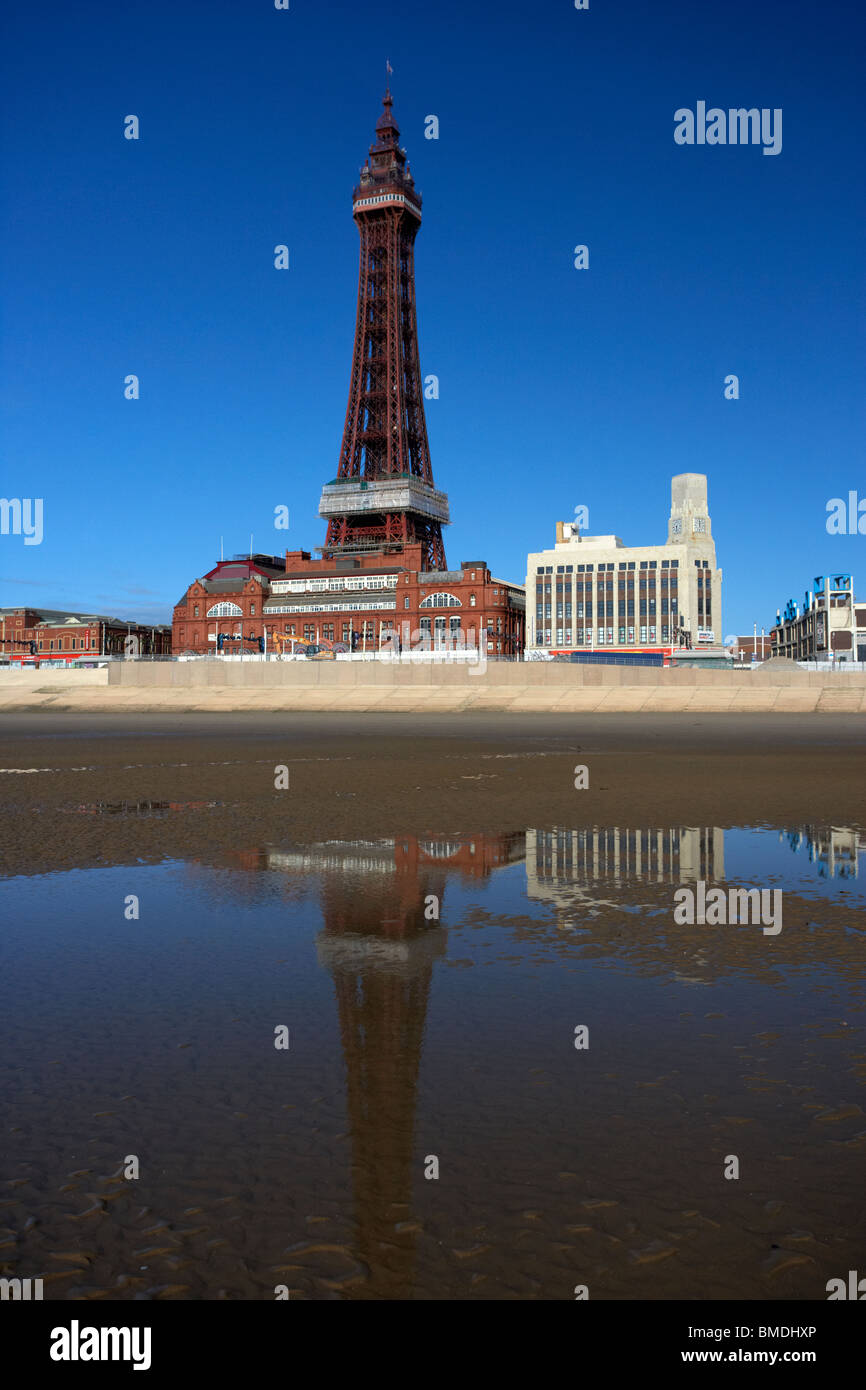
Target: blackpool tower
column 383, row 498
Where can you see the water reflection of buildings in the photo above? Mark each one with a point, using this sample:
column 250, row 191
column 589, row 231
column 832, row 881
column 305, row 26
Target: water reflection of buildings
column 379, row 947
column 392, row 878
column 834, row 850
column 569, row 862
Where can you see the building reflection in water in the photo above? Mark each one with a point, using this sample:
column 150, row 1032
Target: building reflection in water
column 835, row 851
column 561, row 865
column 379, row 942
column 379, row 947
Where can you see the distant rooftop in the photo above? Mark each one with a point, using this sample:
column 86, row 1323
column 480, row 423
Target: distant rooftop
column 245, row 565
column 608, row 542
column 53, row 617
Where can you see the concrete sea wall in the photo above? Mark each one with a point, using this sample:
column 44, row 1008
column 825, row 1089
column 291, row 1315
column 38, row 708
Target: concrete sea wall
column 520, row 686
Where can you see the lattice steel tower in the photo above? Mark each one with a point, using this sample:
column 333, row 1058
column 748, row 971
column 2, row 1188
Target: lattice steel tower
column 383, row 497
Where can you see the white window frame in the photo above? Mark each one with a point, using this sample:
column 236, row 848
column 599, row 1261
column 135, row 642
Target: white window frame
column 441, row 599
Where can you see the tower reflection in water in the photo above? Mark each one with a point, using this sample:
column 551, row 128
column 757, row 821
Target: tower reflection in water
column 379, row 942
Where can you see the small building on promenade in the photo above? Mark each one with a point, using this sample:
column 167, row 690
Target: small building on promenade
column 749, row 647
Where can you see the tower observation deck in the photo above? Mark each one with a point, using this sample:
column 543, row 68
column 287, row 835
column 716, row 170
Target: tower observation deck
column 383, row 497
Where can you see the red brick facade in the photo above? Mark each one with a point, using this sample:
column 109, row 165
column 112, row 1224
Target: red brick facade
column 356, row 601
column 71, row 637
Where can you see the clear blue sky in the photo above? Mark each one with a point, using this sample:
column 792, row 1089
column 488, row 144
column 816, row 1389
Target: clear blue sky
column 558, row 387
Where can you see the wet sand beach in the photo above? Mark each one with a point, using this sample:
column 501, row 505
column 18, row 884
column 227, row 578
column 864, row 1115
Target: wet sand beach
column 384, row 774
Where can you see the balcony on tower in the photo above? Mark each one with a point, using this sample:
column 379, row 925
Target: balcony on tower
column 352, row 496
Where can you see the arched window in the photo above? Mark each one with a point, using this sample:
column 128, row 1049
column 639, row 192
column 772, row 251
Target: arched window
column 225, row 610
column 441, row 600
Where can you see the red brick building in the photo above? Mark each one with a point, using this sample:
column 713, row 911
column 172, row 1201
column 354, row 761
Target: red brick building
column 34, row 635
column 356, row 601
column 748, row 648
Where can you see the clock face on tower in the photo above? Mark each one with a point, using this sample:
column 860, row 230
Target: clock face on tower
column 676, row 528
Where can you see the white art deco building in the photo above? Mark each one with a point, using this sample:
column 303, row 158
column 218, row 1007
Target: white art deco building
column 593, row 594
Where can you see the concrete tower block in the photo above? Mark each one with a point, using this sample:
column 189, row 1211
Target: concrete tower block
column 689, row 490
column 690, row 518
